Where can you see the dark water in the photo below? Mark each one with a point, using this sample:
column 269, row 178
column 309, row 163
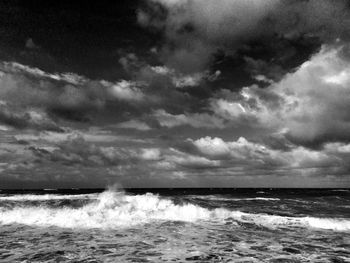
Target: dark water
column 175, row 225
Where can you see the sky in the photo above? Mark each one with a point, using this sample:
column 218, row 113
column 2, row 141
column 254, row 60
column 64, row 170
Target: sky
column 174, row 93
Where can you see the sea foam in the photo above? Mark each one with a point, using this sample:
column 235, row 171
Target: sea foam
column 222, row 198
column 112, row 209
column 46, row 197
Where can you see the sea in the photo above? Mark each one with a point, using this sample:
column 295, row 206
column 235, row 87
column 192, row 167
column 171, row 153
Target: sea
column 175, row 225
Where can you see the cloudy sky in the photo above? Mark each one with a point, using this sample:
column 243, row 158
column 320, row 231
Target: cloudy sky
column 175, row 93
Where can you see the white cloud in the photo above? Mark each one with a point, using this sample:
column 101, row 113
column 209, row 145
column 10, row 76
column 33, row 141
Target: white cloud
column 59, row 137
column 185, row 160
column 241, row 148
column 310, row 104
column 227, row 109
column 337, row 147
column 212, row 146
column 4, row 128
column 162, row 70
column 150, row 154
column 192, row 80
column 196, row 120
column 125, row 90
column 134, row 124
column 243, row 152
column 14, row 67
column 180, row 80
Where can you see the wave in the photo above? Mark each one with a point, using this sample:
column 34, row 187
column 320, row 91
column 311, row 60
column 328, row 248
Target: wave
column 46, row 197
column 260, row 199
column 114, row 209
column 219, row 198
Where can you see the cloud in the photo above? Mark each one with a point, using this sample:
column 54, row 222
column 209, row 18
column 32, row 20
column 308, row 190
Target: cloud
column 248, row 155
column 180, row 80
column 134, row 124
column 77, row 151
column 177, row 160
column 264, row 71
column 196, row 120
column 57, row 96
column 30, row 118
column 196, row 29
column 17, row 68
column 215, row 147
column 125, row 90
column 75, row 156
column 165, row 87
column 30, row 44
column 310, row 106
column 151, row 154
column 39, row 88
column 293, row 106
column 51, row 137
column 336, row 147
column 240, row 149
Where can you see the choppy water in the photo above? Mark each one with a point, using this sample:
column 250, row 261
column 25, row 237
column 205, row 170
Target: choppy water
column 175, row 225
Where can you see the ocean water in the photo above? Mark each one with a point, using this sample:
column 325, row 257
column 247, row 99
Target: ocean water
column 175, row 225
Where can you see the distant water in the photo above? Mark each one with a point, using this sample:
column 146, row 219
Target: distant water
column 175, row 225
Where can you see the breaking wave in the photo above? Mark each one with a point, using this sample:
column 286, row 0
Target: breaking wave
column 46, row 197
column 221, row 198
column 112, row 209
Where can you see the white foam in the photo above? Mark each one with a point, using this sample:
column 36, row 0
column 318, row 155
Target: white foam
column 274, row 221
column 112, row 210
column 31, row 197
column 221, row 198
column 260, row 198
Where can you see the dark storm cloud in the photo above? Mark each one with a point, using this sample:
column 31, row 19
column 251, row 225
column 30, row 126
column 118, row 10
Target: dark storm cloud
column 195, row 30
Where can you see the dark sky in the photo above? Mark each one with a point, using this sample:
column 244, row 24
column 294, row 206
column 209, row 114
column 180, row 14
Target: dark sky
column 176, row 93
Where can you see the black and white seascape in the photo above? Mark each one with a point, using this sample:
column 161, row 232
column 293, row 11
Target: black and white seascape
column 175, row 131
